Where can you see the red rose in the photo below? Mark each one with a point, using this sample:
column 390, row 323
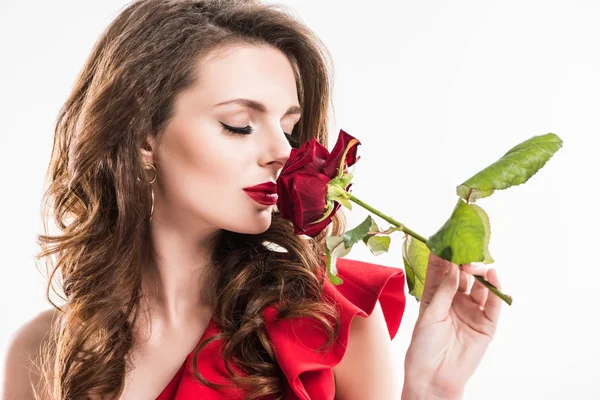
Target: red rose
column 302, row 184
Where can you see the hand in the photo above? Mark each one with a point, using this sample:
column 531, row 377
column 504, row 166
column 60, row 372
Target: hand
column 453, row 330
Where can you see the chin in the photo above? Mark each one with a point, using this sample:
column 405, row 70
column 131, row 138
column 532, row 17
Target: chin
column 257, row 225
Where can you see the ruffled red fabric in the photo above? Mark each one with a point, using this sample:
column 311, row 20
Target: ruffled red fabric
column 309, row 373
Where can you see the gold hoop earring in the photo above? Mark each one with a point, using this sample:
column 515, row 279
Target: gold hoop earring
column 154, row 168
column 151, row 189
column 152, row 207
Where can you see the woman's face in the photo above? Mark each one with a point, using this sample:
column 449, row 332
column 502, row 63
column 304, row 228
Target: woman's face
column 202, row 167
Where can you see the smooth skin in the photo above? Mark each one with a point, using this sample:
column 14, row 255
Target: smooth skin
column 202, row 169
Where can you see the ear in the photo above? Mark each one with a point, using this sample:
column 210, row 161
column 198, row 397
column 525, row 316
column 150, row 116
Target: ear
column 148, row 150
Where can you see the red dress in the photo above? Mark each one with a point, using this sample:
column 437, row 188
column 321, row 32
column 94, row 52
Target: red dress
column 308, row 372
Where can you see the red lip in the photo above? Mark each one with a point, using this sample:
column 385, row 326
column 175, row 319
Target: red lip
column 265, row 193
column 266, row 187
column 264, row 198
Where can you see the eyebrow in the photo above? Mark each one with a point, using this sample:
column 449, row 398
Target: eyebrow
column 258, row 106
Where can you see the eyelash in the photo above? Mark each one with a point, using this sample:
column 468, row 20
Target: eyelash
column 248, row 130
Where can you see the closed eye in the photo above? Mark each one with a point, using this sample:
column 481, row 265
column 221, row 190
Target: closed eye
column 241, row 131
column 246, row 130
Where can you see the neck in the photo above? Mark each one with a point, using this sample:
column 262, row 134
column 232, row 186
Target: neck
column 176, row 287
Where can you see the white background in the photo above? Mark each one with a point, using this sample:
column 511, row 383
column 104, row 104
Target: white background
column 435, row 91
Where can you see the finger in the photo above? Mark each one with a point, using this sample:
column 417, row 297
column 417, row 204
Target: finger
column 479, row 293
column 442, row 299
column 464, row 282
column 493, row 303
column 436, row 272
column 474, row 269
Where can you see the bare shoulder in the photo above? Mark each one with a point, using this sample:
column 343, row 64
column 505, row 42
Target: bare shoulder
column 21, row 355
column 368, row 368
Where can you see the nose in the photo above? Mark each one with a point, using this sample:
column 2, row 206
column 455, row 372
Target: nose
column 277, row 149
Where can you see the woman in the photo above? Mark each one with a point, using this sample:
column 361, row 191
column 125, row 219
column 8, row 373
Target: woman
column 172, row 285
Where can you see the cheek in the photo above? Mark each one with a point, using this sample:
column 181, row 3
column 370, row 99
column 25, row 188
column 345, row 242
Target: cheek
column 198, row 160
column 189, row 148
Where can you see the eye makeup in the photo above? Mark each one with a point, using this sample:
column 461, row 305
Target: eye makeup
column 246, row 130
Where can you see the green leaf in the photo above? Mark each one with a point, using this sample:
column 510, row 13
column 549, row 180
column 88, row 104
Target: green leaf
column 358, row 233
column 372, row 228
column 336, row 193
column 410, row 279
column 464, row 238
column 416, row 258
column 342, row 181
column 339, row 246
column 487, row 257
column 334, row 249
column 346, row 203
column 514, row 168
column 378, row 244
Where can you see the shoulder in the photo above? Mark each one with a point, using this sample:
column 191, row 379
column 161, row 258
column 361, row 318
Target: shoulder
column 368, row 368
column 20, row 356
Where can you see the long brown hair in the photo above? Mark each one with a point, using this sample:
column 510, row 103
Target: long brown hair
column 126, row 89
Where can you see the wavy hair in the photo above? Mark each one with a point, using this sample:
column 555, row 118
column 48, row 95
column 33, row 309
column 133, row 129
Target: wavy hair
column 125, row 90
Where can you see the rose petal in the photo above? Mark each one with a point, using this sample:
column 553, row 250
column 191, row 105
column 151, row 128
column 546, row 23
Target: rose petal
column 311, row 154
column 284, row 196
column 331, row 166
column 302, row 186
column 310, row 191
column 313, row 230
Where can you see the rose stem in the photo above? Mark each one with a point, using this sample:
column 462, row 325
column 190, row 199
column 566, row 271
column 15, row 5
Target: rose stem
column 412, row 233
column 391, row 220
column 507, row 299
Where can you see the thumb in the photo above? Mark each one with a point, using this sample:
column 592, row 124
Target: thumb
column 442, row 299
